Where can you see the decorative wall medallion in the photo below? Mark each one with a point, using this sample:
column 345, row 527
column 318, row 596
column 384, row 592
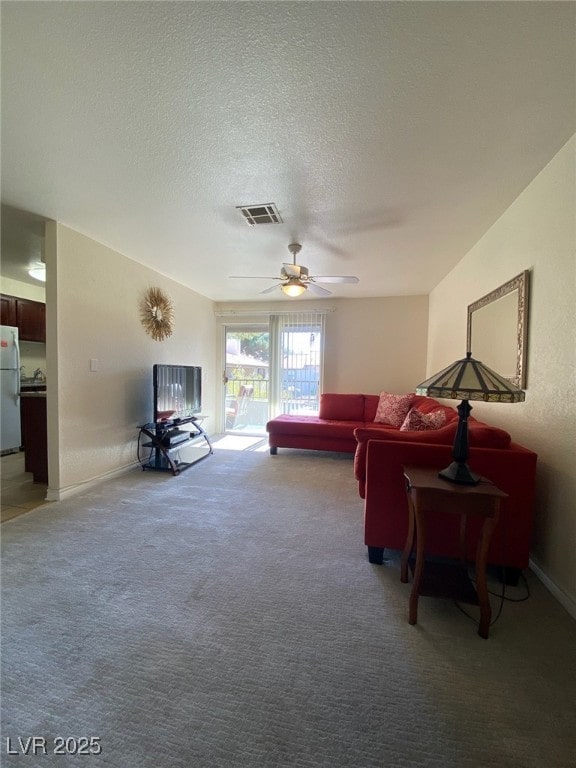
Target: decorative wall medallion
column 157, row 314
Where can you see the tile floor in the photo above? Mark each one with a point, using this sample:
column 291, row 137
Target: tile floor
column 18, row 493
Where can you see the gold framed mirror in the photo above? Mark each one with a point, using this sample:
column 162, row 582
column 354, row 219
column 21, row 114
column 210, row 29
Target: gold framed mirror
column 497, row 330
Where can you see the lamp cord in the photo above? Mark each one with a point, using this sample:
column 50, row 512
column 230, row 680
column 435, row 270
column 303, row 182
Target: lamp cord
column 503, row 598
column 501, row 594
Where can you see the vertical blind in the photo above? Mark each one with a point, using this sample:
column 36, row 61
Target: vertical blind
column 296, row 361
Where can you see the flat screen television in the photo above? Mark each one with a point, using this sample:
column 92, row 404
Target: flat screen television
column 177, row 391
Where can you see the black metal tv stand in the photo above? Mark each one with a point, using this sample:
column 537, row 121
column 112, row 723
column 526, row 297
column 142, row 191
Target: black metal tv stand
column 166, row 438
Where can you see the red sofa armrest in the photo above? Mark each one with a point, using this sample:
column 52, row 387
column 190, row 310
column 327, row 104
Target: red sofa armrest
column 512, row 469
column 443, row 436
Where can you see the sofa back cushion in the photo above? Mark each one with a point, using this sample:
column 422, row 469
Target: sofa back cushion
column 429, row 404
column 482, row 435
column 337, row 407
column 370, row 407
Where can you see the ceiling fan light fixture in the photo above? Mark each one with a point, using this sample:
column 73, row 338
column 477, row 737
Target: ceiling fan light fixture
column 38, row 272
column 295, row 278
column 293, row 288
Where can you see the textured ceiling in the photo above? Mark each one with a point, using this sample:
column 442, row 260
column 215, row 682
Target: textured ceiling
column 391, row 136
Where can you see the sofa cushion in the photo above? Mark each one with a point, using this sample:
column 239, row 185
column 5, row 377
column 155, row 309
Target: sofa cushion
column 312, row 426
column 482, row 435
column 416, row 421
column 392, row 409
column 341, row 407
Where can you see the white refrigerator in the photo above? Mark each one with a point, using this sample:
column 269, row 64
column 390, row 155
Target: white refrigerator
column 10, row 437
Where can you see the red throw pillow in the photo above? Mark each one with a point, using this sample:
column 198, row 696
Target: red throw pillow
column 392, row 409
column 416, row 421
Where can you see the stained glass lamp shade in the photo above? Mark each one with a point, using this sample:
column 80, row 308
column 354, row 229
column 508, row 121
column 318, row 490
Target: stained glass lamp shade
column 467, row 379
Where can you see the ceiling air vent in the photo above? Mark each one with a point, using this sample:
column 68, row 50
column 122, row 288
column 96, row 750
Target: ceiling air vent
column 267, row 213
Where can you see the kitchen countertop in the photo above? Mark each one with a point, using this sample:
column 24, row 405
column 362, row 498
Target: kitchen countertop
column 33, row 394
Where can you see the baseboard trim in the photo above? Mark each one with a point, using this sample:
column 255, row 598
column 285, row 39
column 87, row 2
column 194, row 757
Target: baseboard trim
column 59, row 494
column 563, row 597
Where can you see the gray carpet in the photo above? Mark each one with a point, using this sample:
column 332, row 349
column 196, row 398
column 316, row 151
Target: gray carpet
column 229, row 617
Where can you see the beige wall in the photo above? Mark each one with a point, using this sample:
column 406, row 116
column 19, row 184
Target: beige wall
column 23, row 290
column 376, row 344
column 536, row 233
column 371, row 344
column 92, row 313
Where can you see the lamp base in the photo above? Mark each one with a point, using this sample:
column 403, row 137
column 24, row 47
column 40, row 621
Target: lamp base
column 459, row 473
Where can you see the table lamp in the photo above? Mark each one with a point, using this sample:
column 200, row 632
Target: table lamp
column 467, row 379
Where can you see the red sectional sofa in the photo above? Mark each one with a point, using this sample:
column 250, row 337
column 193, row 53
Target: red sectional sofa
column 346, row 423
column 338, row 418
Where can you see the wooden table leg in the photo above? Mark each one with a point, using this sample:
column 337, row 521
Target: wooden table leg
column 481, row 586
column 419, row 567
column 429, row 493
column 407, row 551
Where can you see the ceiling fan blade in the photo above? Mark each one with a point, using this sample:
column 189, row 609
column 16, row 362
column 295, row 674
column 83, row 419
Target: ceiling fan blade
column 269, row 290
column 335, row 279
column 313, row 288
column 253, row 277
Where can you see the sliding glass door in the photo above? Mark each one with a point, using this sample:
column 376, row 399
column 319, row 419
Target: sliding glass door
column 247, row 378
column 272, row 368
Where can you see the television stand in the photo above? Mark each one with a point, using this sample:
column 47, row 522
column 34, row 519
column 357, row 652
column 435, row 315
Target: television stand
column 166, row 438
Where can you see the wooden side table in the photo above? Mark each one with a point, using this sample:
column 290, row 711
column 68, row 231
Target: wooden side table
column 426, row 493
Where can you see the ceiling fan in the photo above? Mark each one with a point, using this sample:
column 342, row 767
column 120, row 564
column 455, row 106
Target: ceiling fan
column 294, row 278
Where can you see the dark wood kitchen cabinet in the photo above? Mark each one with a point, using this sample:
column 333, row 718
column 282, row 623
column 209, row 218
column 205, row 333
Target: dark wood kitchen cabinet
column 27, row 315
column 7, row 310
column 31, row 320
column 34, row 435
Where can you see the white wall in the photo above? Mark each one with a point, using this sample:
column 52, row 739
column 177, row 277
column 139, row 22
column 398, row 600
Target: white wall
column 537, row 233
column 93, row 295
